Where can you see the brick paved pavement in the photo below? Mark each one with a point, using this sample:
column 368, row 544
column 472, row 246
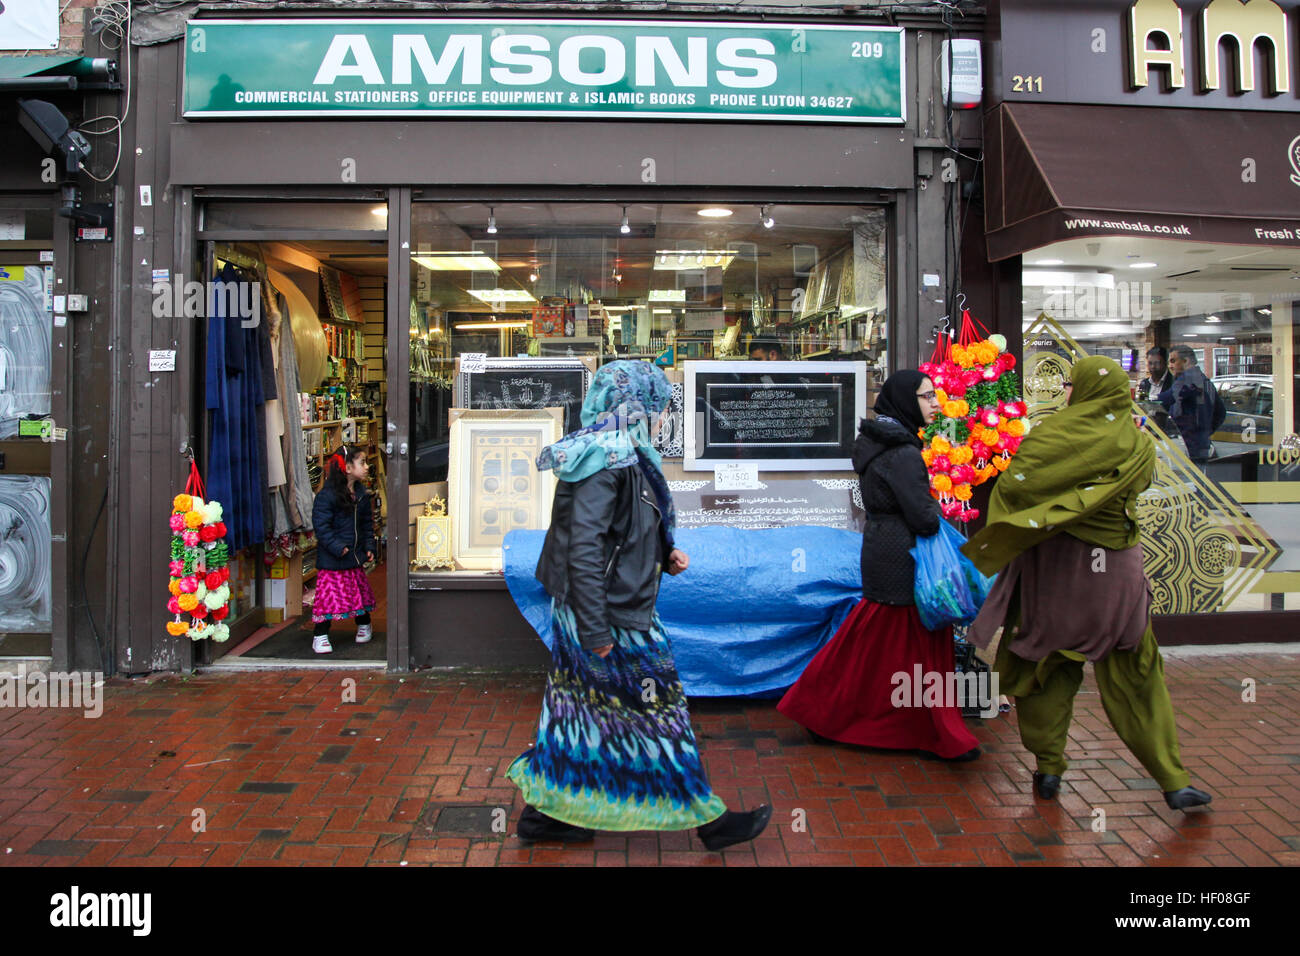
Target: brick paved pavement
column 287, row 774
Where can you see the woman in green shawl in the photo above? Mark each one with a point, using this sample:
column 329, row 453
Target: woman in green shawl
column 1062, row 530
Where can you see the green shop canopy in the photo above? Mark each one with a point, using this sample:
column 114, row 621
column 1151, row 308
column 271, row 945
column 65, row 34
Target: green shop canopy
column 32, row 73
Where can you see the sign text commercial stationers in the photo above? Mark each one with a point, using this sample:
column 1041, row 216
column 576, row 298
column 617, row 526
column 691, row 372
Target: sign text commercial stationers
column 544, row 68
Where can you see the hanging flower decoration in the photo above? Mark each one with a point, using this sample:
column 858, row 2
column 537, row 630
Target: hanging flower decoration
column 982, row 418
column 199, row 566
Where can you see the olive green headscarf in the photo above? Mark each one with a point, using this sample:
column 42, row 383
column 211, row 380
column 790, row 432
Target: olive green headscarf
column 1079, row 470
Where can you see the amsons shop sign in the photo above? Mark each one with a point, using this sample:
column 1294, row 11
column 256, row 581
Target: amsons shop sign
column 544, row 68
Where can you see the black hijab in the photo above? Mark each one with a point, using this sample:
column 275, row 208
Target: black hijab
column 897, row 399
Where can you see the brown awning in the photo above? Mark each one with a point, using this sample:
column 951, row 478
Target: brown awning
column 1057, row 172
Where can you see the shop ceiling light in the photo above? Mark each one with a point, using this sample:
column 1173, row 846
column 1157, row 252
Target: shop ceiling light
column 1264, row 311
column 379, row 211
column 714, row 212
column 1212, row 318
column 667, row 295
column 492, row 221
column 1055, row 279
column 662, row 311
column 765, row 217
column 457, row 262
column 675, row 259
column 502, row 295
column 1143, row 265
column 623, row 227
column 1048, row 262
column 488, row 326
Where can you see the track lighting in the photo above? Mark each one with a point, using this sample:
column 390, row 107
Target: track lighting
column 765, row 217
column 624, row 228
column 492, row 221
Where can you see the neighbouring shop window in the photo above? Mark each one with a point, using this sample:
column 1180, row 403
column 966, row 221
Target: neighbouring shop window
column 546, row 293
column 1221, row 525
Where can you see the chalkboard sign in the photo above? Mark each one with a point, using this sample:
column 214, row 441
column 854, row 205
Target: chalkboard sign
column 782, row 416
column 527, row 383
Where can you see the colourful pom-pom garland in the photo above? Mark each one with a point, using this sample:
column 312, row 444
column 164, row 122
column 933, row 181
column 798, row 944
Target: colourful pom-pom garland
column 981, row 420
column 199, row 595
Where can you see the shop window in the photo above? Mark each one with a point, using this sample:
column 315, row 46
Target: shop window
column 547, row 293
column 1219, row 532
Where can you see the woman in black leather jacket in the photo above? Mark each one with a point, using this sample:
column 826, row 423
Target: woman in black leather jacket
column 861, row 687
column 615, row 749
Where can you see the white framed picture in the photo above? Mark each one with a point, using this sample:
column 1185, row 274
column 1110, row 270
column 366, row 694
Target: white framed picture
column 780, row 416
column 494, row 486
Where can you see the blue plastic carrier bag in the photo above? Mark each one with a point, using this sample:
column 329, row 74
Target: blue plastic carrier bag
column 948, row 588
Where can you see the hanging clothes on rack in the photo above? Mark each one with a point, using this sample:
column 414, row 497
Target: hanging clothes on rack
column 235, row 398
column 298, row 490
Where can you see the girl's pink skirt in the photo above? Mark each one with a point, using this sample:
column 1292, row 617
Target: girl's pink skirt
column 341, row 594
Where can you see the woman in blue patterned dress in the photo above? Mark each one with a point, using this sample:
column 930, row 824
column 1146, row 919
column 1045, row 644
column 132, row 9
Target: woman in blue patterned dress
column 615, row 749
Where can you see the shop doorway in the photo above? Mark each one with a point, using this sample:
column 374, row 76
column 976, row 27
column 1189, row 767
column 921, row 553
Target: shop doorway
column 322, row 308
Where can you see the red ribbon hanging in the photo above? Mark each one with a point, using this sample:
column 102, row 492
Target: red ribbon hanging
column 194, row 486
column 971, row 329
column 942, row 343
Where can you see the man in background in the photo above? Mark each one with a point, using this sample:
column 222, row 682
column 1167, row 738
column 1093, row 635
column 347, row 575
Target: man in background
column 1158, row 377
column 1193, row 403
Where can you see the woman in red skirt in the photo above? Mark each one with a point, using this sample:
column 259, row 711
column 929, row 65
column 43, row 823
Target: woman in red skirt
column 857, row 690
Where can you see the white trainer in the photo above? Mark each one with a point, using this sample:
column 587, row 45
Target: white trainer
column 320, row 643
column 364, row 633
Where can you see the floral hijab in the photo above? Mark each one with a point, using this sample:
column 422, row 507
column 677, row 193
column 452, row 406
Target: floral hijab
column 624, row 399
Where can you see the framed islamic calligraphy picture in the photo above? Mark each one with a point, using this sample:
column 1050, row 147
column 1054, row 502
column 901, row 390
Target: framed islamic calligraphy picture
column 528, row 383
column 493, row 481
column 782, row 416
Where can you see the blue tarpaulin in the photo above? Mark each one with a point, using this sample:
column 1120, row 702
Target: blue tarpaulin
column 748, row 614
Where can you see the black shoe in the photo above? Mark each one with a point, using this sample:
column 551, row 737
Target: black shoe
column 967, row 757
column 818, row 738
column 1186, row 798
column 1047, row 785
column 732, row 828
column 537, row 827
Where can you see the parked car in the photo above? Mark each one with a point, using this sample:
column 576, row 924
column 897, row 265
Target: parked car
column 1249, row 401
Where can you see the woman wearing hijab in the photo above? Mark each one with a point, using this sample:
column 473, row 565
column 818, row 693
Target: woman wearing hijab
column 615, row 749
column 1063, row 531
column 848, row 692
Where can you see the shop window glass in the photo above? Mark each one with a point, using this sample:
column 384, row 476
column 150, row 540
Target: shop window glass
column 541, row 284
column 1220, row 533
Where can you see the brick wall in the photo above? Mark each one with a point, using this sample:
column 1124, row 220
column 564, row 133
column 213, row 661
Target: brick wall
column 72, row 24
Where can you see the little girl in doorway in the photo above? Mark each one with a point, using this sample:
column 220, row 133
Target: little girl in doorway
column 345, row 541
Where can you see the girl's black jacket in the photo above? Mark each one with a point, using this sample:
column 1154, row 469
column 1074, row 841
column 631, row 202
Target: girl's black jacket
column 340, row 524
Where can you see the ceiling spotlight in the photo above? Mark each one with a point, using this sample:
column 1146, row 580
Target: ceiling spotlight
column 714, row 212
column 1142, row 265
column 623, row 227
column 492, row 221
column 765, row 218
column 532, row 276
